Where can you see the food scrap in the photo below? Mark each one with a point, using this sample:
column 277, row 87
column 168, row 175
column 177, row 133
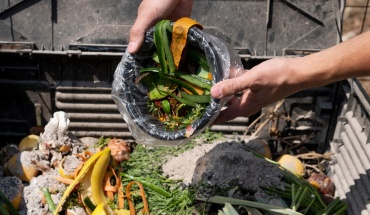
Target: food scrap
column 180, row 80
column 89, row 169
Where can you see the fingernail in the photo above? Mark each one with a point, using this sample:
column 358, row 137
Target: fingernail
column 131, row 47
column 216, row 91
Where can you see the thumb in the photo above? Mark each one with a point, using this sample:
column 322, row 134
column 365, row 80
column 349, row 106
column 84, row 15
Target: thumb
column 136, row 40
column 149, row 13
column 137, row 34
column 230, row 87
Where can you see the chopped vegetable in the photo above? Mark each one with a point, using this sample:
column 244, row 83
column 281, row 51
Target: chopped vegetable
column 143, row 197
column 162, row 43
column 196, row 80
column 48, row 199
column 89, row 204
column 148, row 185
column 196, row 98
column 174, row 73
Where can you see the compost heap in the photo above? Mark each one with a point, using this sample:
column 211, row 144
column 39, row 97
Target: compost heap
column 51, row 160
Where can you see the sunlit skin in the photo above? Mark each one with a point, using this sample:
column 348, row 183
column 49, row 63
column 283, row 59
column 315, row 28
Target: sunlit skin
column 150, row 12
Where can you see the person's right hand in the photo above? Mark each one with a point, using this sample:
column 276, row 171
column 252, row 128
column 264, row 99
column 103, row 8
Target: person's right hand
column 264, row 84
column 150, row 12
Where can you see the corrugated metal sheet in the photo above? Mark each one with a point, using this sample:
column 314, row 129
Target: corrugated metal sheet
column 92, row 112
column 350, row 168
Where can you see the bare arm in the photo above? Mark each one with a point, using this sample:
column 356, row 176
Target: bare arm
column 346, row 60
column 278, row 78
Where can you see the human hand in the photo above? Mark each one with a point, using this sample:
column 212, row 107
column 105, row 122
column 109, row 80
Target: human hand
column 264, row 84
column 150, row 12
column 278, row 78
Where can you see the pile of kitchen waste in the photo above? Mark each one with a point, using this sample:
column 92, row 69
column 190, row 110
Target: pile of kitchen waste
column 56, row 173
column 41, row 167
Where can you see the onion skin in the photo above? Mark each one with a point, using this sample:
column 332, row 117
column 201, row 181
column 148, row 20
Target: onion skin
column 323, row 183
column 120, row 150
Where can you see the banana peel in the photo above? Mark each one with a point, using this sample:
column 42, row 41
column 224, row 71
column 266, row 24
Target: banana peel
column 62, row 172
column 93, row 170
column 97, row 177
column 86, row 190
column 100, row 209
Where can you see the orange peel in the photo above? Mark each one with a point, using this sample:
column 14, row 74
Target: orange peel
column 179, row 37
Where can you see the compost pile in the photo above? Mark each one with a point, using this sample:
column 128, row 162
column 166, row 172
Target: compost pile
column 45, row 171
column 199, row 177
column 53, row 160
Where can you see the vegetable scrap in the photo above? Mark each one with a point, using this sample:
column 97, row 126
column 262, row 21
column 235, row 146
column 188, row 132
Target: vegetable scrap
column 292, row 164
column 179, row 37
column 306, row 196
column 98, row 186
column 180, row 80
column 77, row 176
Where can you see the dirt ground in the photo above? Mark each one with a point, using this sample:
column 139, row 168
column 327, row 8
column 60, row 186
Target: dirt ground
column 354, row 23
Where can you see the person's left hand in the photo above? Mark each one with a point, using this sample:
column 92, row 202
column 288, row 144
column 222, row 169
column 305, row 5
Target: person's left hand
column 150, row 12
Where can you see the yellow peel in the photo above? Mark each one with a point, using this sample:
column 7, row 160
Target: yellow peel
column 97, row 177
column 292, row 164
column 28, row 143
column 99, row 210
column 61, row 170
column 20, row 166
column 85, row 184
column 89, row 163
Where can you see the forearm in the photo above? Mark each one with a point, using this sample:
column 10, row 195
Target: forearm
column 346, row 60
